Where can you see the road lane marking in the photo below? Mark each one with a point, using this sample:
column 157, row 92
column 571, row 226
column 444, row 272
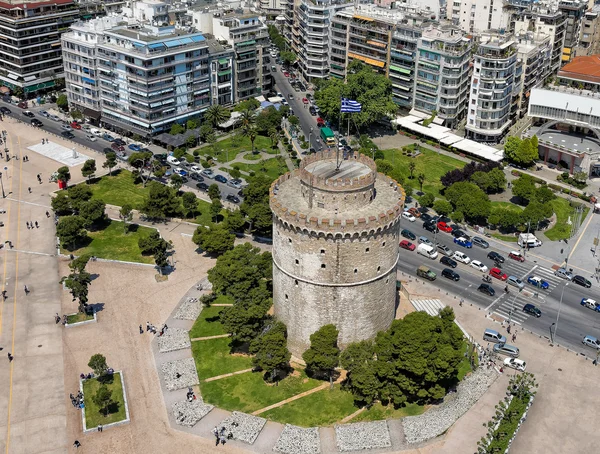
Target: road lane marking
column 6, row 247
column 579, row 238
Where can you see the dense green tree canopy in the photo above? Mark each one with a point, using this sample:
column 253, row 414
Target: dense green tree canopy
column 270, row 350
column 524, row 188
column 469, row 199
column 323, row 355
column 161, row 201
column 93, row 211
column 216, row 239
column 71, row 230
column 245, row 319
column 88, row 169
column 255, row 205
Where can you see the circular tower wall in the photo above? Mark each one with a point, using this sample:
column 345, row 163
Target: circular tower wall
column 335, row 249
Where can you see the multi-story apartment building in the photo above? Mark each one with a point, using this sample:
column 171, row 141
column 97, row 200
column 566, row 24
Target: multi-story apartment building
column 495, row 85
column 533, row 50
column 271, row 8
column 249, row 38
column 80, row 64
column 573, row 11
column 30, row 51
column 442, row 73
column 589, row 36
column 477, row 16
column 582, row 73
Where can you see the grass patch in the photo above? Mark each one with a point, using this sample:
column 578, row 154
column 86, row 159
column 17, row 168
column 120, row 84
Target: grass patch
column 464, row 367
column 507, row 205
column 379, row 412
column 119, row 189
column 208, row 323
column 212, row 358
column 252, row 156
column 563, row 209
column 249, row 392
column 79, row 317
column 272, row 168
column 93, row 416
column 322, row 408
column 113, row 243
column 430, row 163
column 227, row 149
column 508, row 238
column 204, row 218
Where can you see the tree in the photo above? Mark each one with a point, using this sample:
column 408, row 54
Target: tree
column 206, row 130
column 214, row 192
column 176, row 128
column 246, row 318
column 274, row 136
column 411, row 168
column 442, row 207
column 98, row 364
column 235, row 220
column 544, row 195
column 161, row 201
column 535, row 145
column 111, row 162
column 288, row 57
column 270, row 350
column 63, row 174
column 152, row 243
column 216, row 115
column 580, row 176
column 496, row 181
column 191, row 124
column 524, row 188
column 89, row 169
column 93, row 212
column 62, row 102
column 359, row 361
column 323, row 355
column 482, row 180
column 71, row 230
column 79, row 195
column 427, row 199
column 214, row 239
column 384, row 166
column 248, row 118
column 248, row 104
column 190, row 203
column 511, row 148
column 126, row 215
column 61, row 204
column 176, row 181
column 421, row 180
column 215, row 209
column 526, row 154
column 78, row 264
column 267, row 119
column 240, row 270
column 536, row 212
column 103, row 399
column 78, row 282
column 251, row 132
column 255, row 205
column 142, row 162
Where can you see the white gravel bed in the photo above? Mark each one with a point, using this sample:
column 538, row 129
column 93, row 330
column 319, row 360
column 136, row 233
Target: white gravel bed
column 174, row 339
column 362, row 435
column 188, row 310
column 243, row 427
column 180, row 374
column 298, row 440
column 436, row 421
column 189, row 413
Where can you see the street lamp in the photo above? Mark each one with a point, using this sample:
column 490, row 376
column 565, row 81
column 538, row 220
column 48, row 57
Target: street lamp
column 5, row 145
column 2, row 185
column 555, row 324
column 310, row 136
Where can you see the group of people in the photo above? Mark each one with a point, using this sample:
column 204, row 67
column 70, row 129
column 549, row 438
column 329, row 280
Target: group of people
column 190, row 395
column 58, row 319
column 30, row 224
column 77, row 401
column 221, row 436
column 150, row 327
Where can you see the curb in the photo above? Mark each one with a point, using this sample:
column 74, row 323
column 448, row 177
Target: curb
column 127, row 419
column 85, row 322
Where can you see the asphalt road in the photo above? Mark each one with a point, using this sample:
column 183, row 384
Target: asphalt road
column 574, row 322
column 99, row 145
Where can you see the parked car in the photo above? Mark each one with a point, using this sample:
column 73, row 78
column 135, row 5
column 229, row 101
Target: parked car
column 425, row 240
column 28, row 113
column 55, row 118
column 533, row 310
column 43, row 113
column 22, row 105
column 91, row 137
column 516, row 255
column 562, row 272
column 507, row 350
column 479, row 266
column 196, row 169
column 462, row 241
column 426, row 217
column 180, row 172
column 405, row 244
column 66, row 127
column 407, row 215
column 120, row 142
column 108, row 137
column 514, row 363
column 202, row 186
column 231, row 198
column 67, row 134
column 220, row 179
column 235, row 183
column 493, row 255
column 94, row 131
column 591, row 341
column 75, row 125
column 37, row 123
column 117, row 147
column 208, row 173
column 196, row 177
column 449, row 274
column 320, row 121
column 580, row 280
column 477, row 241
column 134, row 147
column 498, row 274
column 444, row 227
column 448, row 261
column 412, row 210
column 538, row 282
column 445, row 250
column 487, row 289
column 408, row 234
column 107, row 150
column 431, row 227
column 458, row 233
column 5, row 110
column 461, row 257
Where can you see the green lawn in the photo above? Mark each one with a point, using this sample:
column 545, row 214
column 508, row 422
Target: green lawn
column 508, row 238
column 212, row 358
column 227, row 149
column 323, row 408
column 204, row 218
column 273, row 168
column 506, row 205
column 119, row 190
column 112, row 243
column 79, row 317
column 378, row 412
column 248, row 392
column 430, row 163
column 208, row 323
column 93, row 417
column 563, row 210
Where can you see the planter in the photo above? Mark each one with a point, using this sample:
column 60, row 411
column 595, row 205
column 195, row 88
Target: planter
column 91, row 423
column 84, row 320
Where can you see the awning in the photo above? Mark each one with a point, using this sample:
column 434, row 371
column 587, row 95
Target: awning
column 247, row 43
column 356, row 16
column 367, row 60
column 566, row 57
column 223, row 61
column 91, row 113
column 400, row 70
column 426, row 84
column 375, row 43
column 40, row 86
column 431, row 65
column 566, row 51
column 224, row 73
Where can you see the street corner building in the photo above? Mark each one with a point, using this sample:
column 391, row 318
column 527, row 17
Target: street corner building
column 336, row 224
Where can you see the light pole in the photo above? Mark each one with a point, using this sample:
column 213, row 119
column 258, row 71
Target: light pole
column 310, row 136
column 5, row 145
column 555, row 324
column 2, row 184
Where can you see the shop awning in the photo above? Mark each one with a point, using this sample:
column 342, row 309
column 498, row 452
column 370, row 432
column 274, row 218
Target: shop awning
column 367, row 60
column 375, row 43
column 400, row 70
column 91, row 113
column 39, row 86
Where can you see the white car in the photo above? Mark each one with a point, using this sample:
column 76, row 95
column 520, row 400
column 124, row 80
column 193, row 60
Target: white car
column 515, row 363
column 407, row 215
column 479, row 266
column 91, row 137
column 96, row 132
column 196, row 169
column 461, row 257
column 179, row 171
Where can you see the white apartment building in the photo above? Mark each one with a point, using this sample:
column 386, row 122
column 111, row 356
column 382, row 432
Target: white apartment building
column 533, row 51
column 478, row 16
column 495, row 86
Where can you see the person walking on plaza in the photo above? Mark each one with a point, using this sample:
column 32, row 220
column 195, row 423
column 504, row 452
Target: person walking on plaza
column 76, row 444
column 10, row 357
column 141, row 330
column 26, row 289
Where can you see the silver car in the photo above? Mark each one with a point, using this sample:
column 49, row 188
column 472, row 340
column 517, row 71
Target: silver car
column 515, row 281
column 507, row 350
column 445, row 250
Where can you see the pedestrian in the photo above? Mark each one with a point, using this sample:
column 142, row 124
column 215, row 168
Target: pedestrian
column 147, row 326
column 141, row 330
column 42, row 141
column 47, row 214
column 223, row 441
column 36, row 225
column 10, row 357
column 514, row 337
column 4, row 295
column 29, row 189
column 76, row 445
column 27, row 225
column 100, row 428
column 57, row 318
column 165, row 327
column 64, row 322
column 26, row 290
column 215, row 431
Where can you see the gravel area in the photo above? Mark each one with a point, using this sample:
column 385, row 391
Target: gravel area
column 189, row 413
column 298, row 440
column 362, row 435
column 188, row 310
column 436, row 421
column 180, row 374
column 174, row 339
column 243, row 427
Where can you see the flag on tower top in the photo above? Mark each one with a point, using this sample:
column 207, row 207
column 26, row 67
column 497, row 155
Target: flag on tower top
column 350, row 106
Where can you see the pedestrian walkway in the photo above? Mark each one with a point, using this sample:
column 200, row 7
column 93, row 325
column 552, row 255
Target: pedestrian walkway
column 231, row 374
column 220, row 336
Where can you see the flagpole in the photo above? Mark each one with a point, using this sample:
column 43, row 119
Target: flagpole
column 337, row 145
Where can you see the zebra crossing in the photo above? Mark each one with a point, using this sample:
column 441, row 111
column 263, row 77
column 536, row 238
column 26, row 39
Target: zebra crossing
column 510, row 306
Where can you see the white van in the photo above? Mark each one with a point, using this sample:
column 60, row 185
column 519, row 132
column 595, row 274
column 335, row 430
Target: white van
column 427, row 251
column 173, row 160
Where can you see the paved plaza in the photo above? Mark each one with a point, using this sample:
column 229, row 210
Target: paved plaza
column 70, row 157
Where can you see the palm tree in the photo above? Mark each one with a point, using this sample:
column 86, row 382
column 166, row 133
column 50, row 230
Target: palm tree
column 250, row 132
column 274, row 136
column 247, row 119
column 411, row 168
column 421, row 179
column 216, row 114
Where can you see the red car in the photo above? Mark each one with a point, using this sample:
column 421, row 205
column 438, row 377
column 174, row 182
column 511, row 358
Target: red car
column 516, row 255
column 405, row 244
column 444, row 227
column 286, row 74
column 416, row 213
column 498, row 274
column 117, row 147
column 75, row 125
column 305, row 101
column 320, row 122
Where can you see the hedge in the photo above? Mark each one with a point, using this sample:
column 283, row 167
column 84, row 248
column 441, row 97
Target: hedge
column 537, row 180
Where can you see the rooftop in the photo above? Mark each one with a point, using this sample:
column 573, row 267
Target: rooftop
column 587, row 67
column 348, row 169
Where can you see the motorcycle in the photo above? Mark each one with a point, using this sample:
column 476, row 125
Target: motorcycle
column 487, row 278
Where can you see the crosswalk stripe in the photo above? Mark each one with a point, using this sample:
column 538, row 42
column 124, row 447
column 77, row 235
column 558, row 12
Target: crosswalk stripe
column 506, row 317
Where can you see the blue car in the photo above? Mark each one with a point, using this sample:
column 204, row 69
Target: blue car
column 135, row 147
column 538, row 282
column 221, row 179
column 462, row 241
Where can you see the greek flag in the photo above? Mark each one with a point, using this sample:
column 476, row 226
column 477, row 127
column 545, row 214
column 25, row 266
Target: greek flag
column 350, row 106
